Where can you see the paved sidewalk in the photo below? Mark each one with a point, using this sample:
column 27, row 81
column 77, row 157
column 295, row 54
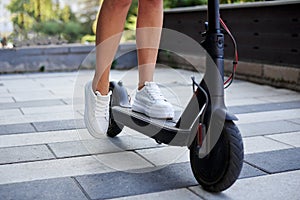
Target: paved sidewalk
column 46, row 152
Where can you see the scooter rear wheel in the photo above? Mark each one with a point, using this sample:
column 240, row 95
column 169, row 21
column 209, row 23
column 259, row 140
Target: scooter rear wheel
column 221, row 167
column 113, row 128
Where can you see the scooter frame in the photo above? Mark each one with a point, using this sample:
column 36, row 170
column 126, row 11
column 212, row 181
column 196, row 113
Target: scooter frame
column 207, row 99
column 205, row 109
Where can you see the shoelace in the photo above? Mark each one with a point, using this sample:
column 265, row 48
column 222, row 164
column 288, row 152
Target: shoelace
column 155, row 92
column 102, row 108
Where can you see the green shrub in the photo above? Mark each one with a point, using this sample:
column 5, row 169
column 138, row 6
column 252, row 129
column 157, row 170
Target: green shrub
column 49, row 27
column 72, row 31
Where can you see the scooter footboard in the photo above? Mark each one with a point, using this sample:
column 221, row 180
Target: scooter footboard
column 163, row 131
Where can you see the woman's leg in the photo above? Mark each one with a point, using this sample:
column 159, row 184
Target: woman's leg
column 148, row 98
column 97, row 97
column 110, row 26
column 149, row 25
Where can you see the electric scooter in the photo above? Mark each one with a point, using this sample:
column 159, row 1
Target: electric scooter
column 205, row 126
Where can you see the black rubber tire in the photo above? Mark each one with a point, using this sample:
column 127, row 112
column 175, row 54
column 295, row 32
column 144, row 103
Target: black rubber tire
column 113, row 128
column 221, row 167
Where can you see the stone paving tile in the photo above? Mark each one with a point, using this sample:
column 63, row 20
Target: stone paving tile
column 34, row 96
column 149, row 178
column 268, row 116
column 287, row 138
column 66, row 90
column 165, row 155
column 48, row 109
column 11, row 112
column 264, row 107
column 297, row 121
column 2, row 88
column 24, row 154
column 281, row 98
column 12, row 76
column 17, row 90
column 84, row 147
column 170, row 155
column 6, row 100
column 25, row 83
column 59, row 85
column 132, row 142
column 16, row 129
column 74, row 101
column 40, row 118
column 58, row 81
column 237, row 91
column 59, row 125
column 249, row 171
column 262, row 144
column 276, row 161
column 7, row 95
column 132, row 133
column 44, row 75
column 25, row 104
column 103, row 145
column 118, row 184
column 266, row 128
column 170, row 194
column 44, row 137
column 58, row 189
column 122, row 161
column 276, row 187
column 170, row 177
column 229, row 101
column 47, row 169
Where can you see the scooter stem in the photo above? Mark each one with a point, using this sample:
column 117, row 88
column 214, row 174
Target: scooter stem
column 213, row 81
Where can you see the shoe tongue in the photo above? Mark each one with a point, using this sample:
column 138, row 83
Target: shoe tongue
column 154, row 90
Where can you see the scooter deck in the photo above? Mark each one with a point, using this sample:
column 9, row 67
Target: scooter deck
column 162, row 130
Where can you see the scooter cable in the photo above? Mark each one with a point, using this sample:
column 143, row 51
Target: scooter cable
column 228, row 82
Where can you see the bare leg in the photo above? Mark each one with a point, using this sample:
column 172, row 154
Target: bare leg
column 149, row 25
column 110, row 25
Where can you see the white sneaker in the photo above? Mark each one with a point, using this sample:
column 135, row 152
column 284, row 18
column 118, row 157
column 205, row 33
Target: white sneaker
column 96, row 113
column 151, row 102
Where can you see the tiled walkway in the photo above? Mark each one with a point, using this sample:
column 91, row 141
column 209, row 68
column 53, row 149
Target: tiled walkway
column 46, row 152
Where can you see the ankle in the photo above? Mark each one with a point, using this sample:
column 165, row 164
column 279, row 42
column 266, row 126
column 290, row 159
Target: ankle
column 141, row 86
column 101, row 86
column 104, row 90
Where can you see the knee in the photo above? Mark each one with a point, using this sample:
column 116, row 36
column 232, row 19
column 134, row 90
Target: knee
column 119, row 4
